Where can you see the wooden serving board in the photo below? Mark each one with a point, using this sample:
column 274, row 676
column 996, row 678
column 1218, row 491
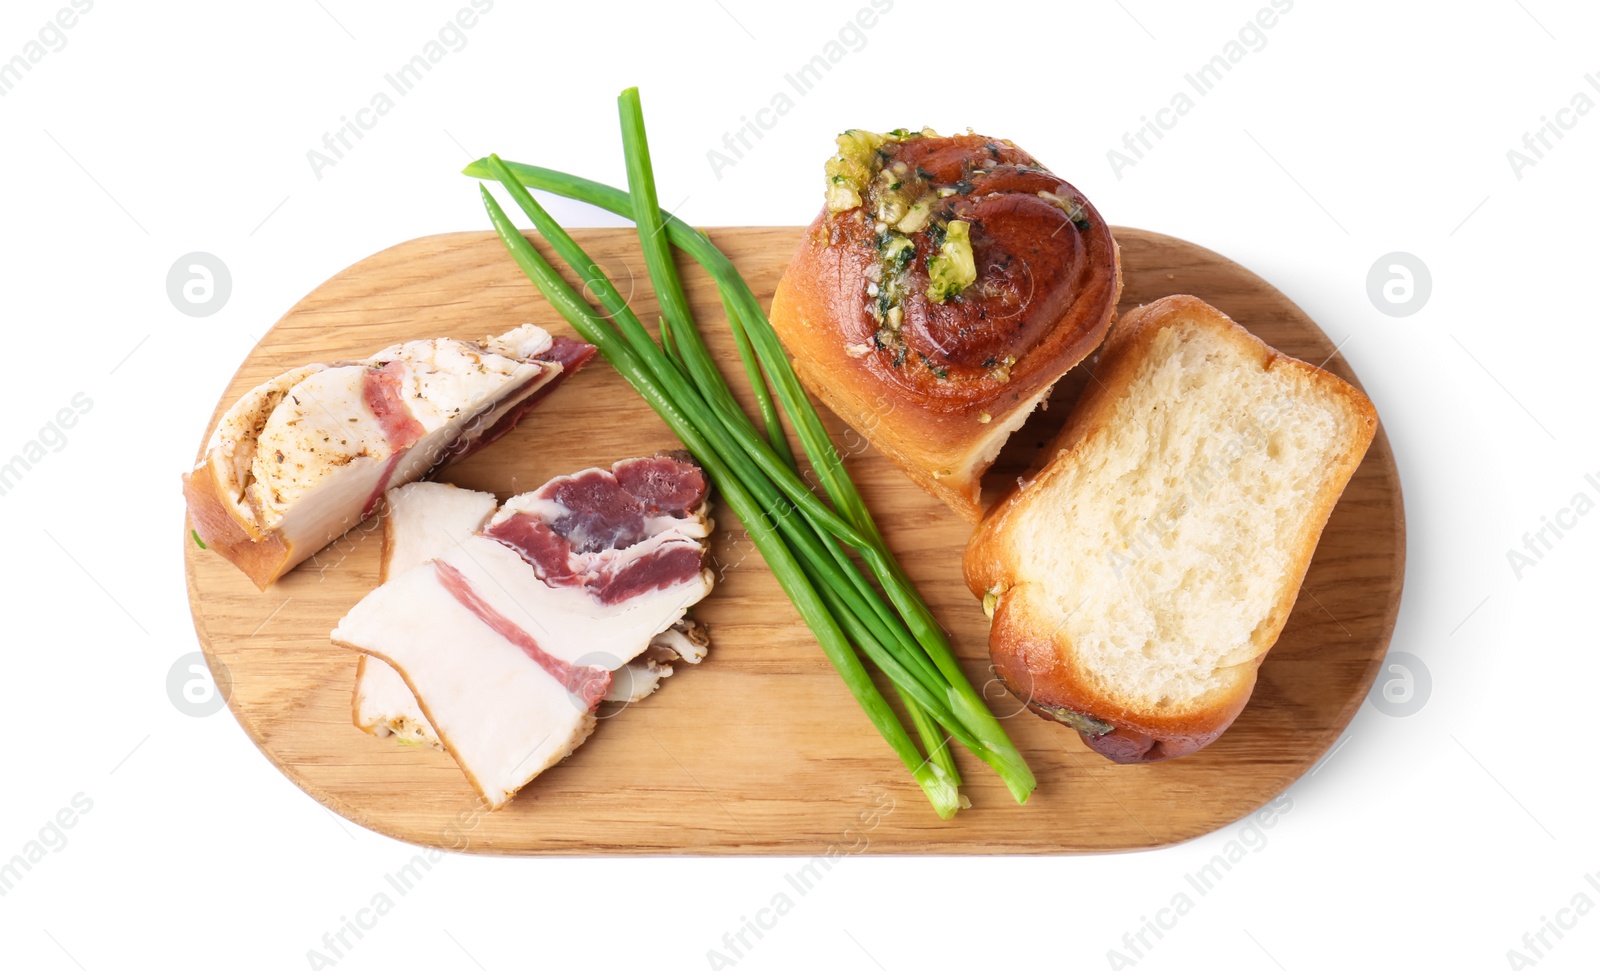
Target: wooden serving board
column 760, row 749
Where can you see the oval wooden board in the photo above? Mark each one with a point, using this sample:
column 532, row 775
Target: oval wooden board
column 761, row 749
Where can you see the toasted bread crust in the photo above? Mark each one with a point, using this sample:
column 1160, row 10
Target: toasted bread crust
column 262, row 560
column 1030, row 652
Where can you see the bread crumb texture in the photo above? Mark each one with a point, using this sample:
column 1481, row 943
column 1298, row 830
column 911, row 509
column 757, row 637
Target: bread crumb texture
column 1168, row 538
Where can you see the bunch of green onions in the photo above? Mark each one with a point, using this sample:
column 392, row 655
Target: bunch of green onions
column 802, row 537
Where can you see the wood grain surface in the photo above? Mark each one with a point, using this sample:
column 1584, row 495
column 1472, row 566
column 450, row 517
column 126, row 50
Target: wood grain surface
column 761, row 749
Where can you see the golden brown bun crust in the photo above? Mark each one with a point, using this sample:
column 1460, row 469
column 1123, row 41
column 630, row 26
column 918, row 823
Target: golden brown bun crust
column 1027, row 660
column 1028, row 648
column 261, row 560
column 1045, row 292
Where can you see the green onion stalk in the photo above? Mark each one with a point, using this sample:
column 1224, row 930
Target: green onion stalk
column 802, row 538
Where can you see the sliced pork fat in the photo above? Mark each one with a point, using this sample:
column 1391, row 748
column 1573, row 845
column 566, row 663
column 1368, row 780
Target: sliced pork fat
column 509, row 638
column 303, row 457
column 421, row 520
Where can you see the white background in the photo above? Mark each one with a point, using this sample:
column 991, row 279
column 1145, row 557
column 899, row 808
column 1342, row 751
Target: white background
column 1360, row 128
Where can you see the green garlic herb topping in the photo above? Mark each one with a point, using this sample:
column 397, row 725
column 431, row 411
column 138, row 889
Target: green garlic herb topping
column 952, row 269
column 852, row 168
column 900, row 201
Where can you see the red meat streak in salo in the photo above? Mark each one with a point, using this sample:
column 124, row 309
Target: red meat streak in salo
column 380, row 390
column 586, row 683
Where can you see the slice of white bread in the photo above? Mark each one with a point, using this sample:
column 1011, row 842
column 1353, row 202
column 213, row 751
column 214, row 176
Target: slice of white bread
column 1139, row 578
